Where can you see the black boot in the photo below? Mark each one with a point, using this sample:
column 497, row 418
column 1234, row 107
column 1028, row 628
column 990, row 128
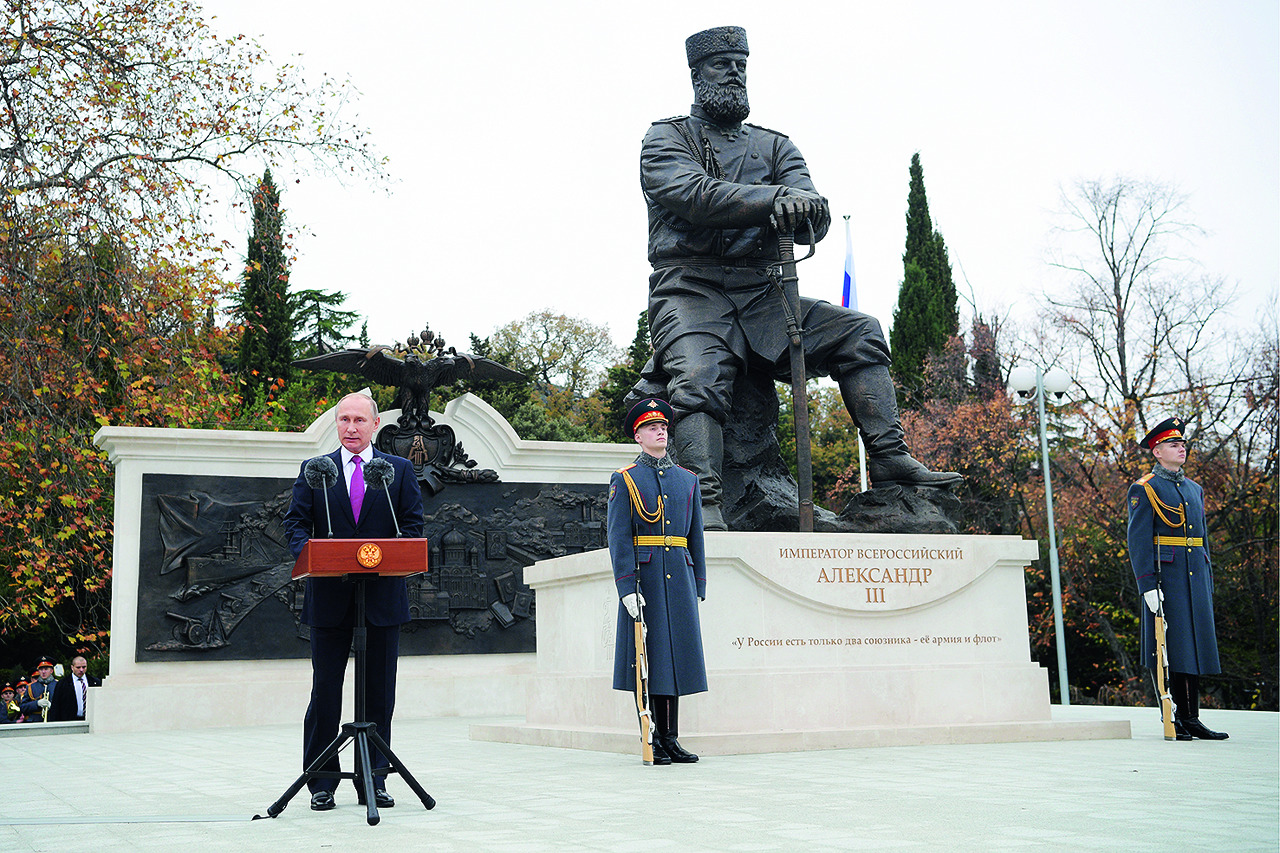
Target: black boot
column 1186, row 695
column 658, row 708
column 660, row 756
column 873, row 404
column 1193, row 725
column 1181, row 709
column 1195, row 728
column 699, row 446
column 671, row 730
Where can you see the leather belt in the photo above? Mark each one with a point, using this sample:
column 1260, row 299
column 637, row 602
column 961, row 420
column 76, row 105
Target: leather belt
column 665, row 541
column 1180, row 541
column 743, row 263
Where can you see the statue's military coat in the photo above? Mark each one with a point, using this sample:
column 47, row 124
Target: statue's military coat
column 672, row 579
column 1186, row 575
column 710, row 192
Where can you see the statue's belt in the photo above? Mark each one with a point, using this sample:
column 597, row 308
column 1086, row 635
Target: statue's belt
column 742, row 263
column 663, row 541
column 1181, row 541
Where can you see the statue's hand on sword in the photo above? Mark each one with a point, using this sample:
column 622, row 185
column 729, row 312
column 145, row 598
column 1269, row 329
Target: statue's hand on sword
column 793, row 207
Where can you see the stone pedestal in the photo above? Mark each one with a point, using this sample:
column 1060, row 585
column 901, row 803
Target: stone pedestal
column 812, row 641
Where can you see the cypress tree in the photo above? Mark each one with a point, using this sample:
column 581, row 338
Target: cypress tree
column 926, row 315
column 266, row 347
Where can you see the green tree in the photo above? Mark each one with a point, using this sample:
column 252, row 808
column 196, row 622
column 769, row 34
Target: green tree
column 114, row 114
column 558, row 351
column 320, row 324
column 566, row 358
column 264, row 360
column 622, row 377
column 926, row 315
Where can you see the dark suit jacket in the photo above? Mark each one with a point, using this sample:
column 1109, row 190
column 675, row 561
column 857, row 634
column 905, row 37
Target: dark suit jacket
column 327, row 600
column 63, row 704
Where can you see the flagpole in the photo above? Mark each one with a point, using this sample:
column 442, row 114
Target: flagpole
column 850, row 300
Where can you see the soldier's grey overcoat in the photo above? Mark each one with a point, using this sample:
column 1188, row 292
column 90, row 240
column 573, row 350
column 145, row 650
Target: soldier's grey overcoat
column 1174, row 511
column 672, row 578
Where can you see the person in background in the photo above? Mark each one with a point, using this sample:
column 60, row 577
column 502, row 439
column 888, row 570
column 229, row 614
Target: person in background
column 71, row 697
column 40, row 692
column 10, row 710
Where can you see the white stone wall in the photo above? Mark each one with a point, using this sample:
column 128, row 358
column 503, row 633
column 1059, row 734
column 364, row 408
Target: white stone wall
column 161, row 695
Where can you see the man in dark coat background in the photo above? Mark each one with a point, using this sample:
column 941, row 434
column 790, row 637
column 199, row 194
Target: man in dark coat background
column 656, row 547
column 1169, row 553
column 71, row 698
column 329, row 603
column 714, row 187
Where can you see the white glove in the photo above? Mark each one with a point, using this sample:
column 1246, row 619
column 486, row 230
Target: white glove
column 1153, row 597
column 629, row 602
column 43, row 701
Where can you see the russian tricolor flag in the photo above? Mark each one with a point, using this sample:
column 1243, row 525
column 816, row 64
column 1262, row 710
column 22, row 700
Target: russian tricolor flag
column 850, row 283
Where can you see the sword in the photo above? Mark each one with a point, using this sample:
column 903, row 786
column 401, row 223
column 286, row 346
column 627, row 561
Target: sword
column 783, row 275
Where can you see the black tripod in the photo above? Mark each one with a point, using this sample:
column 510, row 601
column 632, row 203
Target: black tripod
column 361, row 733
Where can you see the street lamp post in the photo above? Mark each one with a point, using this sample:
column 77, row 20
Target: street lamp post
column 1027, row 381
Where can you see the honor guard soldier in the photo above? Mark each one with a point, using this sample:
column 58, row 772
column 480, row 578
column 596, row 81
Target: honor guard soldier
column 40, row 692
column 10, row 712
column 655, row 544
column 1170, row 558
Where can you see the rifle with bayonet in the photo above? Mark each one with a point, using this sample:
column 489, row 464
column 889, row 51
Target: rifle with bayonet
column 1162, row 659
column 643, row 711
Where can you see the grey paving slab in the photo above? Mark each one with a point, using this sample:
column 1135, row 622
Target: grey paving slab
column 197, row 789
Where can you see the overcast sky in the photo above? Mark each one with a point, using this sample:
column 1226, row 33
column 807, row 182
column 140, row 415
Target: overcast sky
column 513, row 130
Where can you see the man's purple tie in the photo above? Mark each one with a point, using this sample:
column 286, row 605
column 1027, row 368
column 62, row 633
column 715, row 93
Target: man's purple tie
column 84, row 694
column 357, row 487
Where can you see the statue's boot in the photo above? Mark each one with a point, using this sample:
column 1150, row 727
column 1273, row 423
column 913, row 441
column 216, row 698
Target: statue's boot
column 699, row 441
column 873, row 404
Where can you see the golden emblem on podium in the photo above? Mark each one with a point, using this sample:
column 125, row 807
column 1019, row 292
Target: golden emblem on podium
column 369, row 555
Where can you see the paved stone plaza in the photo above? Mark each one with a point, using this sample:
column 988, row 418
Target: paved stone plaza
column 180, row 790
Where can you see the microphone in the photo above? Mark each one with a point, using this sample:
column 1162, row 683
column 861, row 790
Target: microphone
column 321, row 473
column 378, row 473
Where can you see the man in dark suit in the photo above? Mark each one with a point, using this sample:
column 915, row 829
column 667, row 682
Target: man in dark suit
column 71, row 697
column 329, row 603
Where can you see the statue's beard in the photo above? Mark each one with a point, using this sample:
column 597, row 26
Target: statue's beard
column 725, row 104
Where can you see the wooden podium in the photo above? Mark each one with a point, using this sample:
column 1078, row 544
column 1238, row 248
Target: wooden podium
column 330, row 558
column 357, row 560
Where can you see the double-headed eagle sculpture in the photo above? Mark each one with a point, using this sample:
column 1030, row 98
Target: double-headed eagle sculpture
column 414, row 370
